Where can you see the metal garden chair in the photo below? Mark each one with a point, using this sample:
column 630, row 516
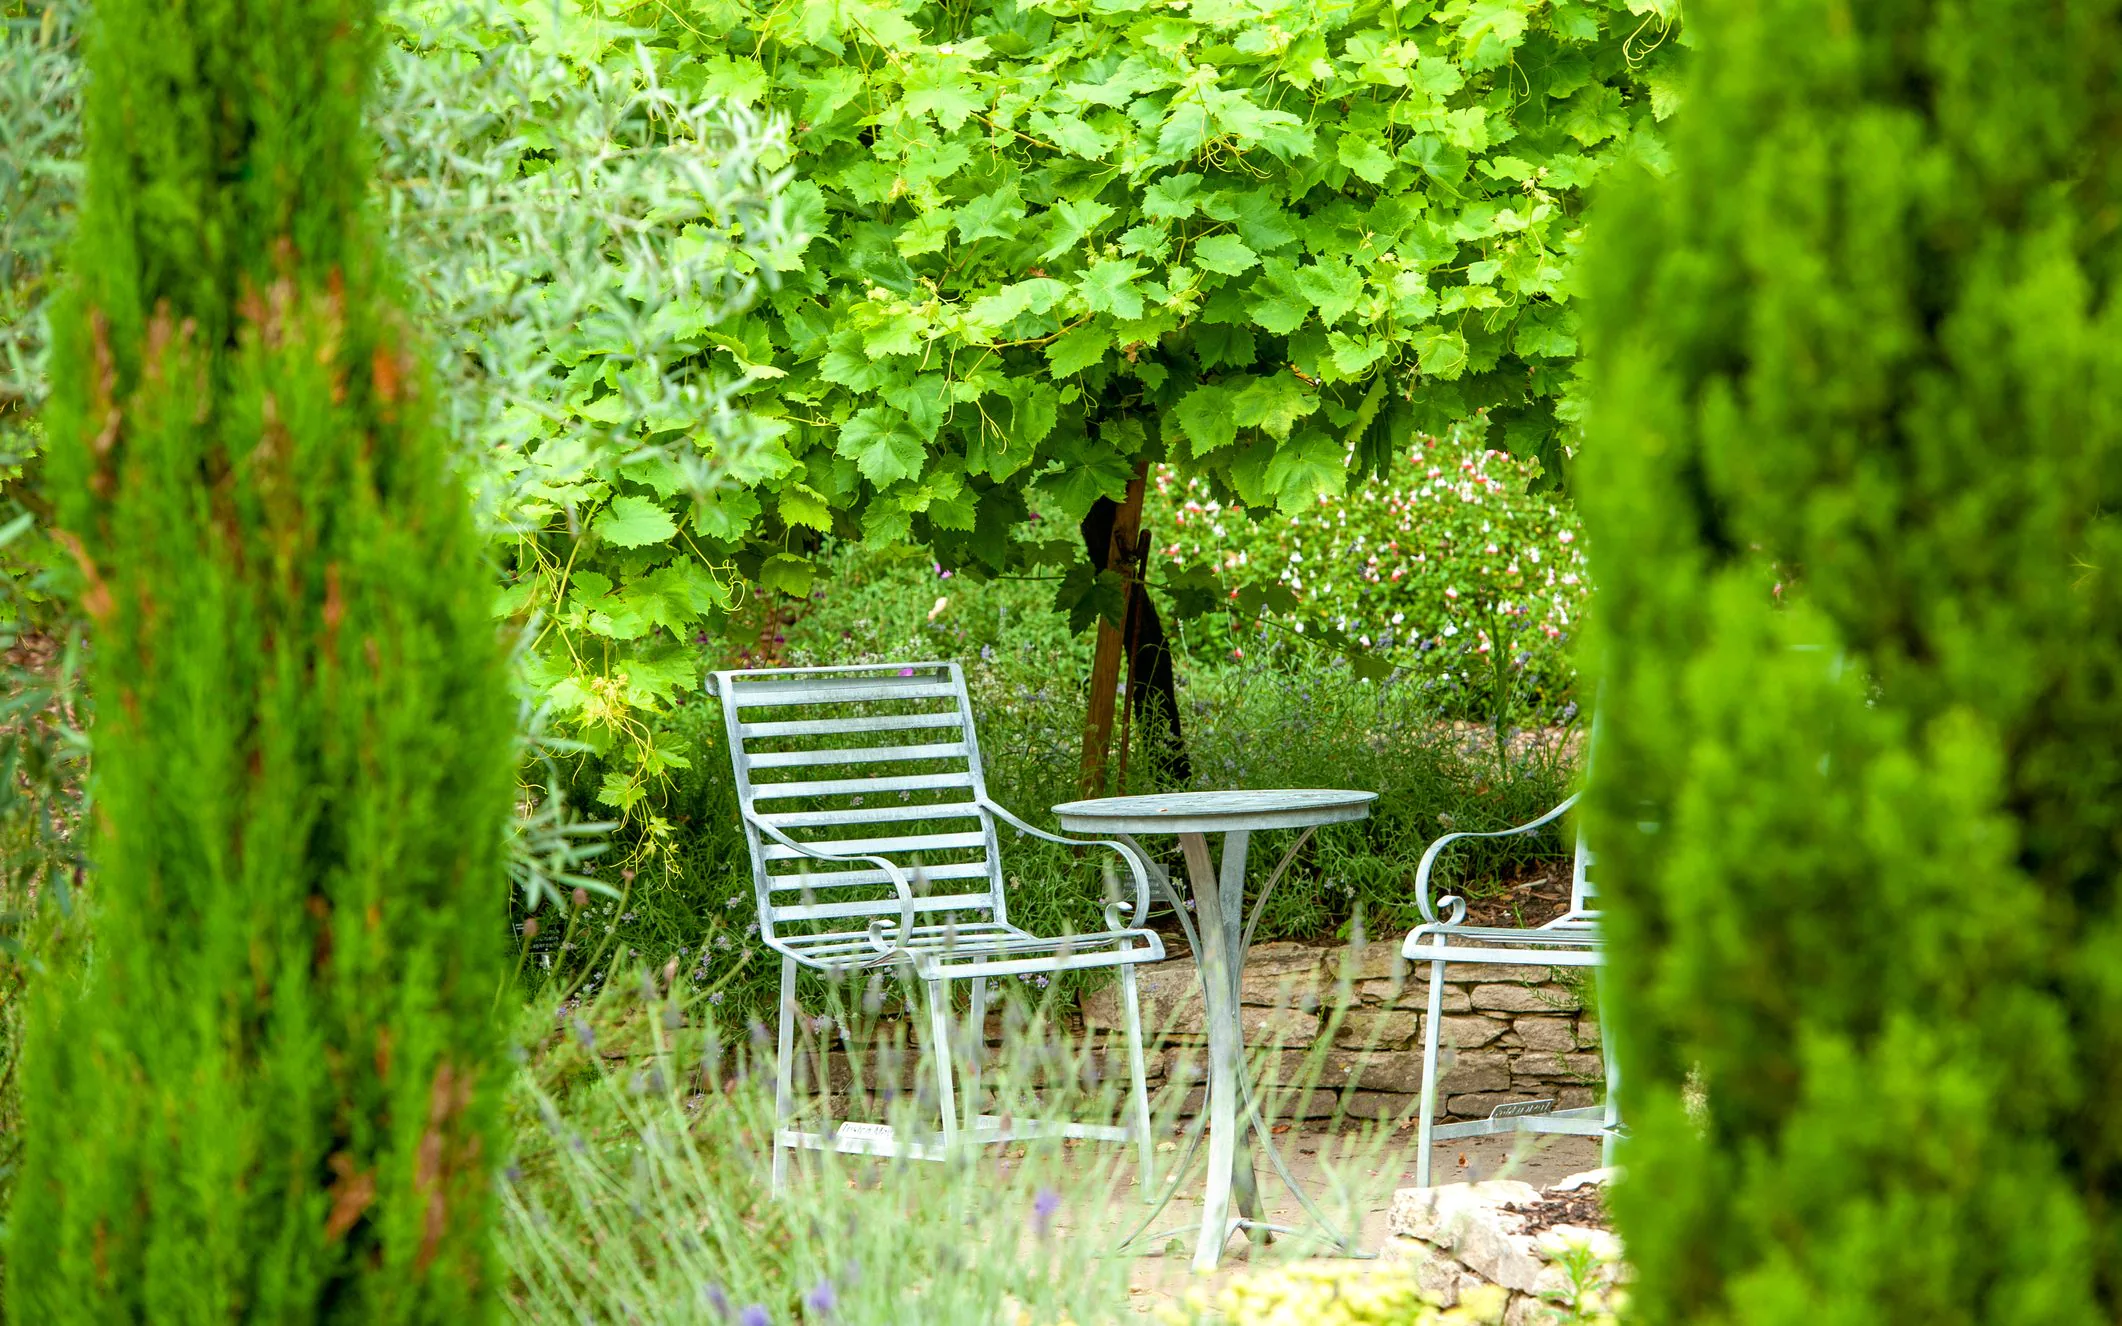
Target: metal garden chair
column 1570, row 940
column 874, row 845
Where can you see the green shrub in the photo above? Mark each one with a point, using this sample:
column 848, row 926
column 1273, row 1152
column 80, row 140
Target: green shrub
column 273, row 1095
column 1851, row 490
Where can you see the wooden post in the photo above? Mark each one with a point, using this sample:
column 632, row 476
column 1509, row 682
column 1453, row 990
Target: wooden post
column 1105, row 663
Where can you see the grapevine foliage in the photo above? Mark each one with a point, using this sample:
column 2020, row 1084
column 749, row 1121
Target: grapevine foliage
column 1249, row 237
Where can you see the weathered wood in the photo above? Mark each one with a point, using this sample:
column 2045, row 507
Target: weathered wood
column 1105, row 662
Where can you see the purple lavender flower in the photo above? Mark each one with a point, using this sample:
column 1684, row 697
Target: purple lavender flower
column 1043, row 1207
column 755, row 1315
column 719, row 1301
column 821, row 1299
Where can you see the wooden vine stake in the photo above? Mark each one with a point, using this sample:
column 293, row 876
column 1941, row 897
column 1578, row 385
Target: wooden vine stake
column 1120, row 555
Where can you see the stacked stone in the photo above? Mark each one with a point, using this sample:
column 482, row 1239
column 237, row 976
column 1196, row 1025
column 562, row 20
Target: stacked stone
column 1462, row 1237
column 1510, row 1033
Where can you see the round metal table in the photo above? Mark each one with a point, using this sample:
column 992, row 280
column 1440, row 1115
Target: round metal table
column 1234, row 1125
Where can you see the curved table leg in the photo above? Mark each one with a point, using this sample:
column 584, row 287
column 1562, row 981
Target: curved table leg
column 1219, row 912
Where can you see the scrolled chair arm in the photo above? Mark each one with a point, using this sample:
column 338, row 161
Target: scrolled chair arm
column 1454, row 908
column 877, row 935
column 1136, row 865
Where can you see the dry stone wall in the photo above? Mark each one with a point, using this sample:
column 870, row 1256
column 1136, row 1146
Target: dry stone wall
column 1337, row 1031
column 1350, row 1028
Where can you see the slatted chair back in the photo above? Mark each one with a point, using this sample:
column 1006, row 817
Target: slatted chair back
column 1583, row 894
column 868, row 760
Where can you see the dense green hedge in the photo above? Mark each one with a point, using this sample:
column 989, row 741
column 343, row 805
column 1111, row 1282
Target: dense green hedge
column 272, row 1094
column 1851, row 488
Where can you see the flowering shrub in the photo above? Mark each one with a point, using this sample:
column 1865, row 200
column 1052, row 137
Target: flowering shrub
column 1453, row 569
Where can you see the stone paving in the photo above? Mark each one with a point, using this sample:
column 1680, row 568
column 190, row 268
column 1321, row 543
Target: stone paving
column 1362, row 1176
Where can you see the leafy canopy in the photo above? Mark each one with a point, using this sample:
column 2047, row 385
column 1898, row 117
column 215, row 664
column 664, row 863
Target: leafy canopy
column 1053, row 238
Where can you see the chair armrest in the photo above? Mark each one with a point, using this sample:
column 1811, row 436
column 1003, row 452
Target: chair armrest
column 890, row 869
column 1456, row 907
column 1136, row 865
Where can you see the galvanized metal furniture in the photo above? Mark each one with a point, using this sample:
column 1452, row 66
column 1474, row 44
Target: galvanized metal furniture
column 874, row 844
column 1235, row 1127
column 1570, row 940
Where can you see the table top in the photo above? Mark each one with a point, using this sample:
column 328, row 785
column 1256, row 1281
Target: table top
column 1215, row 812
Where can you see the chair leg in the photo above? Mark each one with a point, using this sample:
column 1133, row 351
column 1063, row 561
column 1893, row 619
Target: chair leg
column 939, row 1050
column 1613, row 1090
column 1432, row 1030
column 977, row 1050
column 784, row 1074
column 1138, row 1085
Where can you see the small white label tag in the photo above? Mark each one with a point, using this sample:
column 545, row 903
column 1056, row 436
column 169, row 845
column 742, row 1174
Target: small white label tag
column 876, row 1132
column 1519, row 1109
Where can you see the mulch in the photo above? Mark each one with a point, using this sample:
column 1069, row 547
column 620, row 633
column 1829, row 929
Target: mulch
column 1585, row 1206
column 1530, row 900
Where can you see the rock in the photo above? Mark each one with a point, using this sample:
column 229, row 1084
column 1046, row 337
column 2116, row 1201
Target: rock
column 1574, row 1067
column 1470, row 1033
column 1553, row 1034
column 1170, row 995
column 1479, row 1104
column 1269, row 1027
column 1418, row 1213
column 1401, row 1071
column 1575, row 1098
column 1475, row 973
column 1415, row 995
column 1469, row 1221
column 1437, row 1277
column 1524, row 998
column 1367, row 1029
column 1588, row 1033
column 1391, row 1105
column 1470, row 1071
column 1525, row 1310
column 1586, row 1178
column 1377, row 960
column 1586, row 1067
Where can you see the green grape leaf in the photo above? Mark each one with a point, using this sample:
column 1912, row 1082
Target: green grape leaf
column 1366, row 157
column 1273, row 404
column 1442, row 354
column 942, row 90
column 1226, row 254
column 725, row 514
column 634, row 522
column 1278, row 305
column 1194, row 592
column 803, row 505
column 1171, row 198
column 993, row 215
column 882, row 446
column 789, row 574
column 1312, row 466
column 1089, row 595
column 1332, row 286
column 1107, row 287
column 1079, row 349
column 1205, row 415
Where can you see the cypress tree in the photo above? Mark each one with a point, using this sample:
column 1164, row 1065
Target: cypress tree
column 273, row 1096
column 1853, row 485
